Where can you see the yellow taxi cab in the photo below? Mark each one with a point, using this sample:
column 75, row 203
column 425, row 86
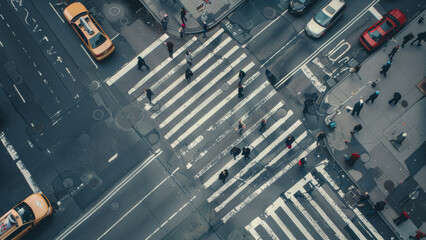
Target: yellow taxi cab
column 89, row 31
column 24, row 216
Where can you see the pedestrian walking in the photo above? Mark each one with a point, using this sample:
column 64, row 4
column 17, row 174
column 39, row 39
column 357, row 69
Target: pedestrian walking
column 379, row 206
column 419, row 235
column 402, row 218
column 241, row 75
column 393, row 52
column 353, row 158
column 357, row 107
column 170, row 48
column 235, row 152
column 188, row 58
column 182, row 30
column 372, row 97
column 149, row 94
column 407, row 38
column 142, row 63
column 188, row 75
column 420, row 37
column 241, row 126
column 204, row 29
column 320, row 137
column 182, row 14
column 240, row 91
column 399, row 139
column 61, row 2
column 289, row 141
column 363, row 199
column 223, row 175
column 262, row 125
column 246, row 153
column 396, row 97
column 385, row 68
column 357, row 128
column 356, row 70
column 302, row 163
column 165, row 21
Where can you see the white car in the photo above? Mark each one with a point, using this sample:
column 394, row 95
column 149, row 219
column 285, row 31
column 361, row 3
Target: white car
column 326, row 17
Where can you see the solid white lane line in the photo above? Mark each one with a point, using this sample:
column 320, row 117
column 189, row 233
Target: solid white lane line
column 216, row 108
column 321, row 170
column 254, row 144
column 270, row 212
column 15, row 157
column 259, row 222
column 19, row 93
column 314, row 80
column 268, row 183
column 293, row 218
column 253, row 162
column 321, row 212
column 161, row 66
column 269, row 24
column 249, row 181
column 137, row 204
column 194, row 82
column 183, row 63
column 126, row 67
column 337, row 209
column 111, row 194
column 235, row 143
column 307, row 216
column 197, row 95
column 113, row 157
column 171, row 217
column 324, row 45
column 57, row 14
column 90, row 57
column 375, row 13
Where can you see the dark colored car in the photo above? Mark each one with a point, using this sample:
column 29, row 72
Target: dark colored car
column 386, row 27
column 298, row 7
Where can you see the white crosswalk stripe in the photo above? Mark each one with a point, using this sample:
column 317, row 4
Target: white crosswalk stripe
column 298, row 191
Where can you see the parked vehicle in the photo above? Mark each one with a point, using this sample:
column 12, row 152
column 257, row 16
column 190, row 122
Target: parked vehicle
column 383, row 29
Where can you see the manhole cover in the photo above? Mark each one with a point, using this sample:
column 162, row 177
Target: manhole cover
column 124, row 21
column 153, row 138
column 38, row 127
column 324, row 60
column 114, row 11
column 68, row 182
column 404, row 103
column 389, row 185
column 98, row 114
column 94, row 183
column 365, row 157
column 114, row 206
column 269, row 13
column 18, row 79
column 84, row 138
column 156, row 106
column 224, row 87
column 281, row 113
column 94, row 85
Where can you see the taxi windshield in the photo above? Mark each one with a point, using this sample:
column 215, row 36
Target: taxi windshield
column 322, row 19
column 25, row 212
column 97, row 40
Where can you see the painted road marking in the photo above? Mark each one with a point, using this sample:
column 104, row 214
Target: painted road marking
column 161, row 66
column 259, row 222
column 111, row 194
column 268, row 183
column 375, row 13
column 253, row 162
column 57, row 14
column 235, row 143
column 126, row 67
column 15, row 157
column 19, row 93
column 323, row 46
column 336, row 48
column 193, row 83
column 270, row 211
column 314, row 80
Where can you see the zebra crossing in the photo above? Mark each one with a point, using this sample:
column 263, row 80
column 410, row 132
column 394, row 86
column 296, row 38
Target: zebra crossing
column 198, row 119
column 300, row 213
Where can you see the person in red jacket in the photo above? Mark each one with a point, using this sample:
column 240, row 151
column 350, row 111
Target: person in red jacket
column 402, row 218
column 354, row 157
column 419, row 235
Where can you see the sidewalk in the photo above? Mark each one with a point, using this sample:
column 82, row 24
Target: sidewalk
column 396, row 174
column 195, row 9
